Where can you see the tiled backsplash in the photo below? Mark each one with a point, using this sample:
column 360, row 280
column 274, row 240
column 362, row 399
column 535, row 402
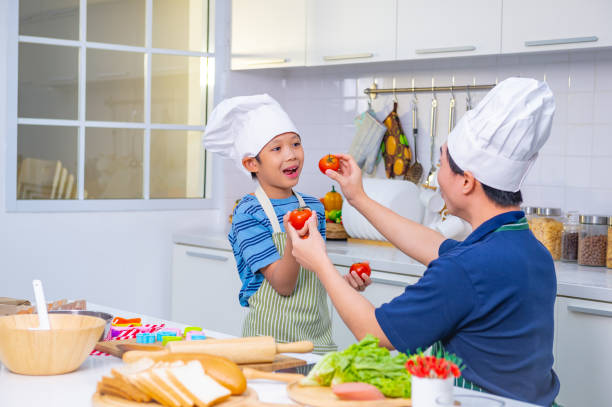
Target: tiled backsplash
column 574, row 170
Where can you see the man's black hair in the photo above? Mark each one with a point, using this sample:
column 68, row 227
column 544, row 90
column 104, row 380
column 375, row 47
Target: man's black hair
column 501, row 198
column 253, row 174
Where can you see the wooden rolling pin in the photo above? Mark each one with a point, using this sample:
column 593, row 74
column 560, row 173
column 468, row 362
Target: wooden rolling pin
column 255, row 349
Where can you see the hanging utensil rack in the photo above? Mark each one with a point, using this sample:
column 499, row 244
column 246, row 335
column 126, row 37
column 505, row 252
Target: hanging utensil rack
column 374, row 90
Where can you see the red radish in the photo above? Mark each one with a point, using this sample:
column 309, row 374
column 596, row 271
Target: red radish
column 357, row 391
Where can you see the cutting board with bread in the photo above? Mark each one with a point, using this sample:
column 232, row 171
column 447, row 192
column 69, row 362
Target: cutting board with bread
column 261, row 352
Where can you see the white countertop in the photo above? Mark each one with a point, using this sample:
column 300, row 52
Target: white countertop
column 76, row 389
column 591, row 283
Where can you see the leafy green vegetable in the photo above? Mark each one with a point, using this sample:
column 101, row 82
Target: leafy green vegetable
column 364, row 362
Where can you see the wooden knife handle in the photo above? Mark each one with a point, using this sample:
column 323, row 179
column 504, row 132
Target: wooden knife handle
column 279, row 377
column 134, row 355
column 295, row 347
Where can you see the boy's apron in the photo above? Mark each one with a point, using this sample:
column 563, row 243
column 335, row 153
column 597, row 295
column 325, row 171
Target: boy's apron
column 303, row 315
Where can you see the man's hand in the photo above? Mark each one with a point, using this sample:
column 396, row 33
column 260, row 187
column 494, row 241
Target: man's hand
column 349, row 178
column 310, row 252
column 359, row 283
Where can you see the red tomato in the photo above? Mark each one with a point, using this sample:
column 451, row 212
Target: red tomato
column 298, row 217
column 361, row 268
column 329, row 162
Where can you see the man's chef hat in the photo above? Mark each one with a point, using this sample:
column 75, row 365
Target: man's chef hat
column 498, row 141
column 241, row 126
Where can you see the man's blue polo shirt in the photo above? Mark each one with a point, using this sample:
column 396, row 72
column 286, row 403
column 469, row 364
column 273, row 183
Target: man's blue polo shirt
column 490, row 300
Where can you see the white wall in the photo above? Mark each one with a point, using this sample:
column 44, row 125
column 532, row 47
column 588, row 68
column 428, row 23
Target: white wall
column 573, row 171
column 120, row 259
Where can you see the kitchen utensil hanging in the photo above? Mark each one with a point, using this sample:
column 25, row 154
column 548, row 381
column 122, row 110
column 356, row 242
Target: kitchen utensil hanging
column 451, row 109
column 415, row 172
column 433, row 130
column 395, row 148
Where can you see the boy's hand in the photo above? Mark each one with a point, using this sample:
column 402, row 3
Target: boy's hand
column 359, row 283
column 302, row 232
column 349, row 177
column 310, row 252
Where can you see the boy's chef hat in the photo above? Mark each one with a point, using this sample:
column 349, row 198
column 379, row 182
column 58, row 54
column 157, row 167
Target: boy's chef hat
column 498, row 141
column 241, row 126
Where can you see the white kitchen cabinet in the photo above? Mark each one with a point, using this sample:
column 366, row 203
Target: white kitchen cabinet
column 583, row 352
column 349, row 31
column 434, row 29
column 531, row 26
column 268, row 33
column 384, row 287
column 205, row 286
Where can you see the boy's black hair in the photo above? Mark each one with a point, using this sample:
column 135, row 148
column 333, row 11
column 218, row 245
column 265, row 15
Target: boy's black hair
column 253, row 174
column 501, row 198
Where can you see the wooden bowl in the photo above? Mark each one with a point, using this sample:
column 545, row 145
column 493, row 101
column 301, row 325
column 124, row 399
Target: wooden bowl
column 61, row 349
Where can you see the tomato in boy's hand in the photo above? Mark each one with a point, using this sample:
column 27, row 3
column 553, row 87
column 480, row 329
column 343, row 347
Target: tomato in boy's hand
column 298, row 217
column 361, row 268
column 329, row 162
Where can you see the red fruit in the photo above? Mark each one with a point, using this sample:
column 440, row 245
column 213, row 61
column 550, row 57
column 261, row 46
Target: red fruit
column 329, row 162
column 361, row 268
column 298, row 217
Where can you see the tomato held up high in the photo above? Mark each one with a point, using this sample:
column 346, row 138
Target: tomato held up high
column 329, row 162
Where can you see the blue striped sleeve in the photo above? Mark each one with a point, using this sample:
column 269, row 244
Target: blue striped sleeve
column 253, row 242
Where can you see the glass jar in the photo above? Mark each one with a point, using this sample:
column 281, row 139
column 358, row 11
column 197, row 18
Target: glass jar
column 609, row 260
column 548, row 228
column 593, row 240
column 530, row 212
column 569, row 237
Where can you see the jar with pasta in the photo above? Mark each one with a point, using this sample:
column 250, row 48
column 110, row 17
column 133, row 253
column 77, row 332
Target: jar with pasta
column 593, row 240
column 609, row 254
column 530, row 213
column 548, row 228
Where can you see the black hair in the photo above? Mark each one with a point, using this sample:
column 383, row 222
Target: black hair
column 254, row 174
column 501, row 198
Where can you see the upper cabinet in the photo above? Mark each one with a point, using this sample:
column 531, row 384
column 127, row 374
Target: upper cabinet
column 434, row 29
column 268, row 33
column 349, row 31
column 530, row 26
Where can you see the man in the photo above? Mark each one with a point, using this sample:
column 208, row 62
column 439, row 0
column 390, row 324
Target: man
column 489, row 299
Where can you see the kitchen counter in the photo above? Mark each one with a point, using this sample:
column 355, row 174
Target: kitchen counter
column 590, row 283
column 76, row 389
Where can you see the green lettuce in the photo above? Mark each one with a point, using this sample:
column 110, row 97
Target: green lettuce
column 364, row 362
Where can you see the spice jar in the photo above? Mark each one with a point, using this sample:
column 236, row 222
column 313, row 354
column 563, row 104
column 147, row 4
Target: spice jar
column 593, row 240
column 609, row 260
column 569, row 238
column 548, row 228
column 530, row 212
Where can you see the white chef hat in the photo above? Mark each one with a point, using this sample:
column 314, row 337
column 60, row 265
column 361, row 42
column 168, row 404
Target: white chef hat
column 498, row 141
column 241, row 126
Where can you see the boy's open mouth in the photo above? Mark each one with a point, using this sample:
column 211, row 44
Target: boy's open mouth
column 291, row 171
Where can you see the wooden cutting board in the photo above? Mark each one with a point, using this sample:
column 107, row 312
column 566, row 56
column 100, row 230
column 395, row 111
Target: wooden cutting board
column 280, row 361
column 248, row 398
column 317, row 396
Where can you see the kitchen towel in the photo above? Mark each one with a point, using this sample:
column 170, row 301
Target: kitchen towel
column 366, row 143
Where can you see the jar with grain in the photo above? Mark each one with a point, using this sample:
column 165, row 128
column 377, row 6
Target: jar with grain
column 569, row 238
column 548, row 228
column 609, row 259
column 592, row 240
column 530, row 212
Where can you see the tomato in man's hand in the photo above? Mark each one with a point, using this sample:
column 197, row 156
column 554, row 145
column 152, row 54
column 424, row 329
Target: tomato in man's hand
column 361, row 268
column 329, row 162
column 298, row 217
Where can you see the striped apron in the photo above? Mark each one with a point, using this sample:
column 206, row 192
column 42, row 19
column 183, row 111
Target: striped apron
column 303, row 315
column 438, row 349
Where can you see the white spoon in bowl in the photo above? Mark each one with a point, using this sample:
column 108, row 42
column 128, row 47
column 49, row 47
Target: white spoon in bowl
column 41, row 305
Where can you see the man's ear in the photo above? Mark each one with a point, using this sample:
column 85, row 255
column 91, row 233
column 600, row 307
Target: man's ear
column 469, row 183
column 251, row 164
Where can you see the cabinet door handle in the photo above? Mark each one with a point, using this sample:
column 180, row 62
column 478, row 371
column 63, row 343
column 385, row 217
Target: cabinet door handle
column 347, row 56
column 388, row 282
column 560, row 41
column 207, row 256
column 272, row 61
column 591, row 311
column 446, row 49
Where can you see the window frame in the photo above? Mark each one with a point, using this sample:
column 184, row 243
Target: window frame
column 212, row 182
